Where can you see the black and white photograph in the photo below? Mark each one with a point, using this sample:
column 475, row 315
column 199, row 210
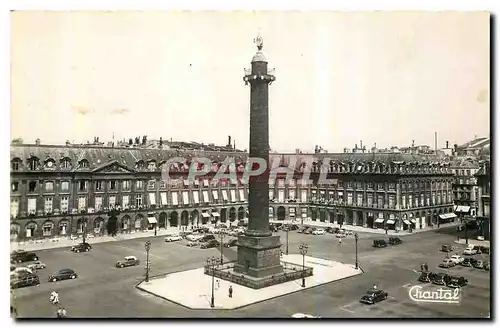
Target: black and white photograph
column 310, row 165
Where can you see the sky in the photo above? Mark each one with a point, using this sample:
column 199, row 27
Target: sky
column 341, row 77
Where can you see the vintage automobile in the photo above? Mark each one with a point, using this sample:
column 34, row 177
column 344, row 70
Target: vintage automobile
column 37, row 265
column 23, row 256
column 447, row 248
column 455, row 282
column 486, row 266
column 81, row 247
column 194, row 237
column 231, row 243
column 318, row 232
column 24, row 280
column 373, row 296
column 127, row 261
column 303, row 316
column 340, row 234
column 173, row 238
column 395, row 241
column 479, row 264
column 206, row 238
column 426, row 276
column 468, row 262
column 210, row 244
column 380, row 243
column 440, row 279
column 471, row 250
column 63, row 274
column 193, row 243
column 447, row 263
column 457, row 259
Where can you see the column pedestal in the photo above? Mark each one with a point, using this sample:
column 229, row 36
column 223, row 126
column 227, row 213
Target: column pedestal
column 258, row 257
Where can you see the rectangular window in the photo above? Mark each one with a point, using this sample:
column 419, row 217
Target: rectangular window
column 82, row 185
column 49, row 186
column 64, row 204
column 359, row 199
column 112, row 185
column 271, row 194
column 32, row 186
column 98, row 185
column 380, row 200
column 242, row 195
column 403, row 201
column 392, row 186
column 303, row 196
column 98, row 203
column 196, row 198
column 341, row 196
column 15, row 186
column 349, row 197
column 32, row 205
column 175, row 198
column 65, row 186
column 205, row 183
column 206, row 198
column 349, row 184
column 163, row 197
column 185, row 197
column 410, row 201
column 126, row 185
column 151, row 185
column 369, row 199
column 82, row 203
column 292, row 183
column 391, row 201
column 421, row 199
column 112, row 201
column 152, row 198
column 233, row 195
column 369, row 185
column 138, row 200
column 281, row 196
column 14, row 207
column 281, row 183
column 433, row 198
column 125, row 201
column 138, row 185
column 291, row 194
column 224, row 195
column 215, row 195
column 47, row 230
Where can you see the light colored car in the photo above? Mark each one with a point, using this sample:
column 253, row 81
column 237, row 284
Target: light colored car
column 194, row 237
column 55, row 239
column 193, row 243
column 349, row 232
column 457, row 259
column 341, row 235
column 318, row 232
column 447, row 263
column 173, row 238
column 127, row 261
column 37, row 265
column 303, row 316
column 90, row 235
column 18, row 270
column 470, row 250
column 480, row 238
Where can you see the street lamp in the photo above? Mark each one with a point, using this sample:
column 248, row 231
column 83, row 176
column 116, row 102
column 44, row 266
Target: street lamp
column 356, row 237
column 211, row 263
column 84, row 221
column 286, row 229
column 303, row 251
column 147, row 246
column 222, row 234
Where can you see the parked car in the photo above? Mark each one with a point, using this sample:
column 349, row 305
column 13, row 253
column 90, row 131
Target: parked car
column 457, row 258
column 210, row 244
column 201, row 230
column 373, row 296
column 341, row 235
column 330, row 230
column 221, row 226
column 37, row 265
column 318, row 232
column 21, row 270
column 426, row 277
column 127, row 261
column 486, row 266
column 447, row 248
column 479, row 264
column 468, row 262
column 231, row 243
column 456, row 282
column 26, row 280
column 348, row 232
column 193, row 243
column 81, row 247
column 173, row 238
column 63, row 274
column 379, row 243
column 440, row 279
column 293, row 227
column 471, row 250
column 302, row 230
column 447, row 263
column 395, row 241
column 483, row 249
column 207, row 238
column 194, row 237
column 23, row 256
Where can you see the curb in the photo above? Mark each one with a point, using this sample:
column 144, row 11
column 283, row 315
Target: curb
column 243, row 306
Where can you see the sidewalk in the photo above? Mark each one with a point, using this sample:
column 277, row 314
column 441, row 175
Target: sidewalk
column 473, row 241
column 320, row 224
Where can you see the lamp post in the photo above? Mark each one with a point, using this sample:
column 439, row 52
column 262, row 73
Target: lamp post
column 356, row 237
column 303, row 251
column 211, row 263
column 286, row 229
column 84, row 221
column 147, row 246
column 222, row 234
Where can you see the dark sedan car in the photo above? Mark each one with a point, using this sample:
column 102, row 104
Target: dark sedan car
column 207, row 238
column 210, row 244
column 373, row 296
column 24, row 280
column 23, row 256
column 379, row 243
column 395, row 241
column 440, row 279
column 426, row 277
column 231, row 243
column 447, row 248
column 82, row 247
column 456, row 282
column 63, row 274
column 468, row 262
column 479, row 264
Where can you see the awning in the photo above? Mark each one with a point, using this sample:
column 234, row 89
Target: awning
column 152, row 219
column 462, row 209
column 446, row 216
column 406, row 222
column 390, row 221
column 205, row 214
column 379, row 220
column 215, row 214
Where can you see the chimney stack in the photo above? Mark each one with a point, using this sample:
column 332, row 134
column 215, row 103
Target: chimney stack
column 447, row 143
column 37, row 142
column 361, row 144
column 234, row 144
column 229, row 140
column 413, row 143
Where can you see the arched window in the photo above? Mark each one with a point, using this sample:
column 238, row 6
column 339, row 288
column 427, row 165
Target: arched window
column 83, row 164
column 66, row 163
column 16, row 164
column 33, row 163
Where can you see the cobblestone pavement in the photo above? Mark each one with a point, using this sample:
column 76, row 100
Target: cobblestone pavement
column 105, row 291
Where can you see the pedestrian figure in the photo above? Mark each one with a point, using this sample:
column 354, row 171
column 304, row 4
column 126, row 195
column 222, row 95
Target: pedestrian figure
column 217, row 284
column 340, row 241
column 374, row 286
column 54, row 297
column 386, row 231
column 422, row 267
column 230, row 291
column 281, row 253
column 426, row 266
column 61, row 312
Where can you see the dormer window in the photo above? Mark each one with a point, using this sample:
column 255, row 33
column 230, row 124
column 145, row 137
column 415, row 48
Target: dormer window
column 33, row 163
column 50, row 163
column 65, row 163
column 152, row 165
column 83, row 164
column 15, row 164
column 140, row 165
